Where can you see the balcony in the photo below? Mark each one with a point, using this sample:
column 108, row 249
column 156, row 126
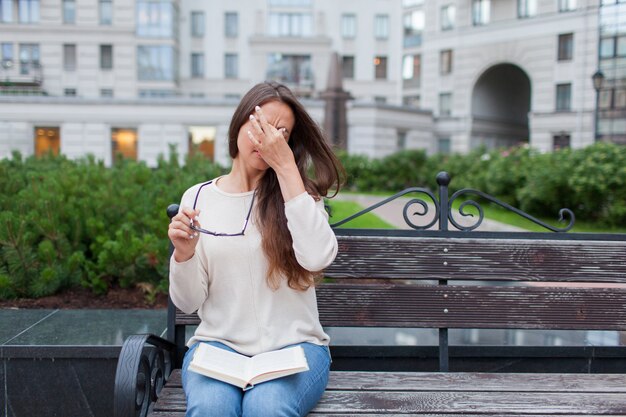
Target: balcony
column 25, row 77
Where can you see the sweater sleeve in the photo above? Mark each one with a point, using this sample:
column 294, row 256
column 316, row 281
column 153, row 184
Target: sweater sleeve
column 189, row 280
column 314, row 241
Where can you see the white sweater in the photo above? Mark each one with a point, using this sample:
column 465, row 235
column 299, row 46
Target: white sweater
column 225, row 280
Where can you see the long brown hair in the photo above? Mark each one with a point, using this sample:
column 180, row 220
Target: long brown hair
column 309, row 148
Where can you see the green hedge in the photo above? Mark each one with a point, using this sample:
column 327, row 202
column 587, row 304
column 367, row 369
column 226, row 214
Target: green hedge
column 66, row 223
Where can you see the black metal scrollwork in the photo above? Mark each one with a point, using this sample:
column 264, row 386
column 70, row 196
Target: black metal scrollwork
column 144, row 366
column 444, row 212
column 562, row 213
column 406, row 211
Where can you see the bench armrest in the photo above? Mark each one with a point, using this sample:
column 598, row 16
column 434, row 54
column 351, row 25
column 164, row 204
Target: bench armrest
column 144, row 365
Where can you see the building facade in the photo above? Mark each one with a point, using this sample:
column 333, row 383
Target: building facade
column 140, row 77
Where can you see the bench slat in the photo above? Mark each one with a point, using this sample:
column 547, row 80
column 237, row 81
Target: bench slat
column 465, row 381
column 495, row 307
column 454, row 393
column 479, row 259
column 472, row 307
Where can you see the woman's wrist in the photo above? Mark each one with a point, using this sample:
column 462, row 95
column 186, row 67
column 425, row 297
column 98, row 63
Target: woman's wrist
column 181, row 257
column 291, row 184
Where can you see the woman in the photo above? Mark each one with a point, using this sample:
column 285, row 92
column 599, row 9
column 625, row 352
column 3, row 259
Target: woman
column 248, row 247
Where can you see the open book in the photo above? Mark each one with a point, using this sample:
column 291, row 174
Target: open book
column 243, row 371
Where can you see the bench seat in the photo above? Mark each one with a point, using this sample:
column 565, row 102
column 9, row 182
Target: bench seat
column 433, row 394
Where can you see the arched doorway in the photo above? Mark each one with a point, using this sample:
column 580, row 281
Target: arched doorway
column 500, row 107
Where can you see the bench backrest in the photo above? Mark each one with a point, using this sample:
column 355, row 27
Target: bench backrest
column 467, row 279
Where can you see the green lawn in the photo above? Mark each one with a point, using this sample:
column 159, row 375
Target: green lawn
column 342, row 209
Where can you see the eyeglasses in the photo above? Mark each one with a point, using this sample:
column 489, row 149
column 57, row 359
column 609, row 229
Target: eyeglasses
column 208, row 232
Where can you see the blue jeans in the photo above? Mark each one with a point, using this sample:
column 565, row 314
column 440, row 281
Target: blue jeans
column 293, row 395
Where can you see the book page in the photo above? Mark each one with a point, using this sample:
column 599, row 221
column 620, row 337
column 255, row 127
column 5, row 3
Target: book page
column 292, row 358
column 211, row 358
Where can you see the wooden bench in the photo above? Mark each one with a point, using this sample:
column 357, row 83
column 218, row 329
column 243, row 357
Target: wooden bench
column 436, row 279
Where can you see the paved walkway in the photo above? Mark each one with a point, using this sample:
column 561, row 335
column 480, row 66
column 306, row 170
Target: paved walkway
column 392, row 213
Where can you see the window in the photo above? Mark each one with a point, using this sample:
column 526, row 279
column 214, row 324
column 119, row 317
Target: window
column 381, row 26
column 411, row 101
column 347, row 67
column 6, row 11
column 154, row 93
column 123, row 144
column 69, row 57
column 401, row 140
column 47, row 140
column 28, row 11
column 412, row 3
column 202, row 141
column 106, row 92
column 566, row 47
column 411, row 71
column 197, row 65
column 620, row 99
column 567, row 5
column 106, row 57
column 413, row 27
column 6, row 55
column 614, row 46
column 231, row 66
column 290, row 69
column 231, row 25
column 605, row 99
column 155, row 18
column 155, row 63
column 612, row 99
column 448, row 17
column 70, row 92
column 481, row 12
column 380, row 99
column 563, row 97
column 445, row 62
column 526, row 8
column 445, row 104
column 561, row 141
column 348, row 26
column 106, row 12
column 69, row 12
column 290, row 24
column 380, row 68
column 444, row 145
column 290, row 3
column 29, row 58
column 197, row 24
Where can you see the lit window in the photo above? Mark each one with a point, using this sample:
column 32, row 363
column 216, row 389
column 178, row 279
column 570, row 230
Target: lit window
column 202, row 141
column 124, row 144
column 380, row 67
column 47, row 141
